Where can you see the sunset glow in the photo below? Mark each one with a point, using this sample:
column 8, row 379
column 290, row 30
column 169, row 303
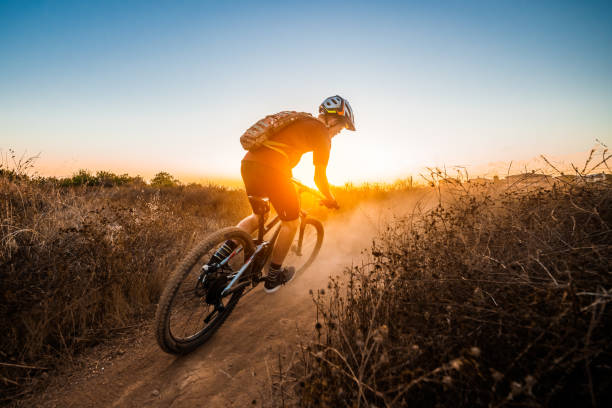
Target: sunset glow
column 149, row 86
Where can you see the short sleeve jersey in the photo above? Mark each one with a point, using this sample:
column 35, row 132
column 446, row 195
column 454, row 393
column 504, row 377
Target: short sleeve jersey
column 305, row 135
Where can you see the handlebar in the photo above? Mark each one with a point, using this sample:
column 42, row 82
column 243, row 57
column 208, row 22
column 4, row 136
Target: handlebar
column 302, row 188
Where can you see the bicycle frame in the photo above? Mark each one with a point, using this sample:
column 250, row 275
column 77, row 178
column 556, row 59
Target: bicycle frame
column 263, row 246
column 266, row 246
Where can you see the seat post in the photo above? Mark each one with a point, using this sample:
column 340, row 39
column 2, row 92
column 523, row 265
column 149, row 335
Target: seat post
column 260, row 230
column 261, row 206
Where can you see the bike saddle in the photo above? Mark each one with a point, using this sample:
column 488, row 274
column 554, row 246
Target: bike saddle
column 261, row 205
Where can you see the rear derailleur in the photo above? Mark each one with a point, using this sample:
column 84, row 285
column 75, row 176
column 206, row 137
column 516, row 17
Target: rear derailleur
column 211, row 283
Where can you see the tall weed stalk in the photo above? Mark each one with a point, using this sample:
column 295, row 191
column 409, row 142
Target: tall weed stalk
column 497, row 297
column 78, row 263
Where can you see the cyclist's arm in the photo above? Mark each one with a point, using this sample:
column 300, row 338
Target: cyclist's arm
column 320, row 179
column 320, row 158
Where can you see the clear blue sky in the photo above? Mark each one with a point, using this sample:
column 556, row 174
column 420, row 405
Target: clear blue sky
column 145, row 86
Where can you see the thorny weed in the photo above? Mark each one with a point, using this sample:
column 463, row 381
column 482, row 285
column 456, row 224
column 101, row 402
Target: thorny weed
column 497, row 297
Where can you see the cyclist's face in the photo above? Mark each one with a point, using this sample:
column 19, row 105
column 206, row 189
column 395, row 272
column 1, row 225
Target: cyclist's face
column 334, row 126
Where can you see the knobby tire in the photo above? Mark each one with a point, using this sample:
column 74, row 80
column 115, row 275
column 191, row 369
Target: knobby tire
column 165, row 338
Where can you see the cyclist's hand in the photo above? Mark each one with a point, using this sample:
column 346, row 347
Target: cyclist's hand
column 331, row 204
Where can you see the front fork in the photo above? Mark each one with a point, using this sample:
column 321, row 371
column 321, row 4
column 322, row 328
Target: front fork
column 297, row 249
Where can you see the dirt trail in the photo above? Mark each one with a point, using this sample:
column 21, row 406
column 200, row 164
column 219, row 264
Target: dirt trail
column 232, row 368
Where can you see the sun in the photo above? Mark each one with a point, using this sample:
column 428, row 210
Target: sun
column 350, row 164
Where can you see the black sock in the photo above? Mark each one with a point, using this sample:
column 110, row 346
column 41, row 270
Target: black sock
column 275, row 266
column 223, row 252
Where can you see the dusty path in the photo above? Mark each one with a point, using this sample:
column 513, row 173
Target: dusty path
column 232, row 369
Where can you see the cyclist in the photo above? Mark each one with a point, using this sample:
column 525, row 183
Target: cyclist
column 266, row 172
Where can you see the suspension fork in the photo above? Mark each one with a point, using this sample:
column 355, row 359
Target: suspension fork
column 298, row 249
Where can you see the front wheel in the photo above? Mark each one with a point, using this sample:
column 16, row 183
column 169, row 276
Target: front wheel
column 191, row 307
column 306, row 245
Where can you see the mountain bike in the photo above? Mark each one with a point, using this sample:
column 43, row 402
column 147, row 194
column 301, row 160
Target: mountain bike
column 199, row 296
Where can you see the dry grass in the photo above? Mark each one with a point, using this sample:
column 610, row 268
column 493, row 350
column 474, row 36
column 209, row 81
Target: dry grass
column 78, row 263
column 497, row 297
column 83, row 257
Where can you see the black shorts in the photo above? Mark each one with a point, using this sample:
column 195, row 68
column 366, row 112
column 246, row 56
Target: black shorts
column 264, row 181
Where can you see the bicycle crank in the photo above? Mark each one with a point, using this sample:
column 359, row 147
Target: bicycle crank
column 218, row 308
column 215, row 288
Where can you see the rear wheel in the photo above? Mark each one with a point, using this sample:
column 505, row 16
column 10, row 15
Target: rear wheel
column 306, row 245
column 190, row 308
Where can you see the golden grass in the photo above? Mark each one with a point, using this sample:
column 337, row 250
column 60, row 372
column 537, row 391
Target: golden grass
column 76, row 263
column 84, row 256
column 498, row 296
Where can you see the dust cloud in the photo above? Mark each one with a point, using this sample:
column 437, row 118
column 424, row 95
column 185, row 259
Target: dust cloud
column 349, row 236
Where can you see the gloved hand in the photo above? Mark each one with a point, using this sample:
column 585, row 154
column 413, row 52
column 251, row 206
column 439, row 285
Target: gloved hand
column 330, row 203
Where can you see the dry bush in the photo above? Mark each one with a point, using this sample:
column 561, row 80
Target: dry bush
column 497, row 297
column 84, row 256
column 78, row 263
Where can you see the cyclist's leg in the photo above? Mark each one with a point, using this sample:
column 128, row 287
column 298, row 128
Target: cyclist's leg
column 277, row 274
column 250, row 223
column 277, row 186
column 253, row 184
column 264, row 181
column 254, row 178
column 284, row 198
column 284, row 241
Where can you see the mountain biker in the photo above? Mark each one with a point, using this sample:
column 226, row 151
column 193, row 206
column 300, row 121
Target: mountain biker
column 266, row 172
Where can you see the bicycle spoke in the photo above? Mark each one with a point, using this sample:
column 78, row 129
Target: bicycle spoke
column 190, row 314
column 186, row 324
column 186, row 298
column 184, row 318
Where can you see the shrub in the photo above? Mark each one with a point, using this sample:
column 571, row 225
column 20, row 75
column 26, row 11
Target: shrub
column 77, row 263
column 85, row 178
column 163, row 179
column 491, row 299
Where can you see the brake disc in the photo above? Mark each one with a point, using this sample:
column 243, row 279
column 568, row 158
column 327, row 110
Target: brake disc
column 215, row 288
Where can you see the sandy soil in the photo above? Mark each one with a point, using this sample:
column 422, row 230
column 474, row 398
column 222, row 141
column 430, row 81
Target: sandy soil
column 235, row 367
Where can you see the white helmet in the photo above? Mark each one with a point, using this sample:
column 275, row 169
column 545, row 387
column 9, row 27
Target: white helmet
column 337, row 105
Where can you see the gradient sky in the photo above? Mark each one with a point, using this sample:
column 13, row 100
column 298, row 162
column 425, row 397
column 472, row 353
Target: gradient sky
column 141, row 87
